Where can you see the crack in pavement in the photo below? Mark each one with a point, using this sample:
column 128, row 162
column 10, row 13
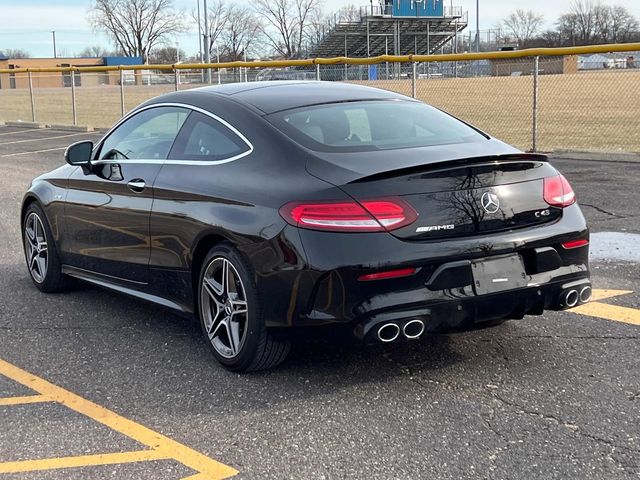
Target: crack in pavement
column 583, row 337
column 568, row 425
column 602, row 210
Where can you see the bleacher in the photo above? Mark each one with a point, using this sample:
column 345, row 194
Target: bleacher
column 390, row 29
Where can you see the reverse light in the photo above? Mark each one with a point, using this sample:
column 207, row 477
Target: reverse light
column 575, row 244
column 402, row 272
column 350, row 216
column 557, row 192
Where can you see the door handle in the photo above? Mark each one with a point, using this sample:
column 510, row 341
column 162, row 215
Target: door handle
column 137, row 185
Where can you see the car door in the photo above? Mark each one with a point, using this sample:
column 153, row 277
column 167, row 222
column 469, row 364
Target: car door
column 108, row 206
column 194, row 194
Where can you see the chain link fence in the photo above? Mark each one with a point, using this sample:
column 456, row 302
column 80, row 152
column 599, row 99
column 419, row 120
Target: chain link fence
column 583, row 102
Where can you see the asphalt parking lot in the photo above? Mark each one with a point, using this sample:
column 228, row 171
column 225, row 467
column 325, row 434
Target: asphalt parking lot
column 97, row 385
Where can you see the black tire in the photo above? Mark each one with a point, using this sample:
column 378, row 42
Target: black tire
column 260, row 348
column 54, row 280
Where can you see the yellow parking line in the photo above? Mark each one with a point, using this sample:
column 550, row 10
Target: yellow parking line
column 606, row 311
column 24, row 400
column 164, row 446
column 22, row 466
column 609, row 312
column 604, row 293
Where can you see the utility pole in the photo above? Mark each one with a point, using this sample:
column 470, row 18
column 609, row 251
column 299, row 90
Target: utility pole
column 207, row 56
column 477, row 25
column 55, row 54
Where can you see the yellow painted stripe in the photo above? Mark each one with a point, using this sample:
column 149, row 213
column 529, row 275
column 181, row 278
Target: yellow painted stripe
column 609, row 312
column 601, row 294
column 165, row 446
column 81, row 461
column 197, row 476
column 24, row 400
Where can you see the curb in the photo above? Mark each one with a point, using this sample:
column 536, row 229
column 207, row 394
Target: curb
column 25, row 124
column 72, row 128
column 625, row 157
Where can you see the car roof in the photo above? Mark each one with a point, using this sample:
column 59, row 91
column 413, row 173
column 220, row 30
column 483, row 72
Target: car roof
column 274, row 96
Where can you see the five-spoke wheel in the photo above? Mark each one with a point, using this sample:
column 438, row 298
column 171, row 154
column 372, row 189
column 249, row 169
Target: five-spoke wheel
column 40, row 252
column 224, row 307
column 35, row 242
column 231, row 316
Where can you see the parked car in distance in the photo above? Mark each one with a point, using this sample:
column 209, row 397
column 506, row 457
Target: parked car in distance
column 264, row 207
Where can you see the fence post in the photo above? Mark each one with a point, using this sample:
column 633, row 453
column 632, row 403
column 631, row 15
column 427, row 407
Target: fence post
column 414, row 80
column 122, row 93
column 534, row 126
column 176, row 79
column 73, row 97
column 318, row 72
column 33, row 105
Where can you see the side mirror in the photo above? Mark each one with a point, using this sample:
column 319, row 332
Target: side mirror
column 79, row 153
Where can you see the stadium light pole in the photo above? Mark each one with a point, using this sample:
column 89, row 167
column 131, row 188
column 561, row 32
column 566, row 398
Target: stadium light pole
column 207, row 56
column 477, row 25
column 199, row 34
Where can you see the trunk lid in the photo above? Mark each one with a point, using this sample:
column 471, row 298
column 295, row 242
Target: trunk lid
column 464, row 197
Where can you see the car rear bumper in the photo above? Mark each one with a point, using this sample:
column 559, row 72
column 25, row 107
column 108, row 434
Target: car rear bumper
column 442, row 292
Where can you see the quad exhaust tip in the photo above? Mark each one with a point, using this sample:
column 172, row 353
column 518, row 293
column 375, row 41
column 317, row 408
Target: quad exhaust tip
column 413, row 328
column 571, row 298
column 585, row 294
column 388, row 332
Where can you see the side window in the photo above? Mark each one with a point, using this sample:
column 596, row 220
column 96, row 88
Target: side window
column 204, row 138
column 147, row 135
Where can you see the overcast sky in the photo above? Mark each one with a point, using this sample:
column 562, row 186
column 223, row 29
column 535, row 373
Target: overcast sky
column 27, row 24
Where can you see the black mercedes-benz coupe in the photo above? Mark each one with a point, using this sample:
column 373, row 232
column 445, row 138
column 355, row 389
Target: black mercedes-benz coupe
column 265, row 207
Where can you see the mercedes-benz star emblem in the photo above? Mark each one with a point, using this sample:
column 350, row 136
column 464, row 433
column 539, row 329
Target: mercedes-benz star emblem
column 490, row 202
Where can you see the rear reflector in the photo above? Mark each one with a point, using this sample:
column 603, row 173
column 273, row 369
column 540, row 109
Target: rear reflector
column 575, row 244
column 403, row 272
column 557, row 192
column 350, row 216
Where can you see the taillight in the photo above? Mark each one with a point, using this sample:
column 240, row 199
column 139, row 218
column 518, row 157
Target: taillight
column 350, row 216
column 557, row 192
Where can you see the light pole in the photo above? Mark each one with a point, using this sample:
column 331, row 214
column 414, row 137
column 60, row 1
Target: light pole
column 199, row 34
column 477, row 25
column 207, row 55
column 55, row 54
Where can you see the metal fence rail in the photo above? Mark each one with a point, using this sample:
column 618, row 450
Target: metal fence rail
column 578, row 98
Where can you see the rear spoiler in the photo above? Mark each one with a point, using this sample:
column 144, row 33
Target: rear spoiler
column 456, row 163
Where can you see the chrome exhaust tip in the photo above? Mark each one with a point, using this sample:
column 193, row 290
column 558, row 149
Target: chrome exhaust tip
column 571, row 298
column 585, row 294
column 413, row 328
column 388, row 332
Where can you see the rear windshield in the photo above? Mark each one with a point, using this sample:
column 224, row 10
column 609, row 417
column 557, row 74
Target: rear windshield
column 372, row 125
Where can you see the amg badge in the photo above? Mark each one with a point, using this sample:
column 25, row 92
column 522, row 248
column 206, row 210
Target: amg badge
column 434, row 228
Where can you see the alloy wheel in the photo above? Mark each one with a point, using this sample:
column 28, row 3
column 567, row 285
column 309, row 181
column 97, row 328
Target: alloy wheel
column 224, row 307
column 36, row 247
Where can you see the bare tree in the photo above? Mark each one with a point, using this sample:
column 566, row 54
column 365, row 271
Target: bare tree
column 615, row 24
column 583, row 13
column 136, row 26
column 166, row 55
column 95, row 51
column 218, row 15
column 348, row 13
column 241, row 33
column 522, row 25
column 14, row 53
column 287, row 23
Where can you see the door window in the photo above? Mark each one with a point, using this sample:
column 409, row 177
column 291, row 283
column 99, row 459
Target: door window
column 147, row 135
